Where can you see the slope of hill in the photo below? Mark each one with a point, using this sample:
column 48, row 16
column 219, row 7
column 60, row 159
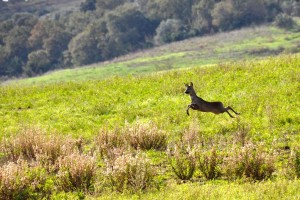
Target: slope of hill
column 241, row 44
column 66, row 134
column 102, row 112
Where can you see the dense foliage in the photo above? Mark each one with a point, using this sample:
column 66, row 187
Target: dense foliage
column 32, row 43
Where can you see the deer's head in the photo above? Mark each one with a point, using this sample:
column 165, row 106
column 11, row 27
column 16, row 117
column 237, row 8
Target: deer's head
column 189, row 88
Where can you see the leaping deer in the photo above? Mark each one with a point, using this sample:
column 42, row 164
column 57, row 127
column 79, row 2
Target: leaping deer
column 204, row 106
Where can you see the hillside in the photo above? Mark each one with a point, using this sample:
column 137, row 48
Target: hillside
column 86, row 138
column 247, row 43
column 41, row 36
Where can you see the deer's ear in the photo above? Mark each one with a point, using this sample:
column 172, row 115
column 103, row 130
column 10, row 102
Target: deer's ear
column 191, row 84
column 186, row 85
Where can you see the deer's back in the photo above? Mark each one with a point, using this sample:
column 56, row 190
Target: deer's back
column 205, row 106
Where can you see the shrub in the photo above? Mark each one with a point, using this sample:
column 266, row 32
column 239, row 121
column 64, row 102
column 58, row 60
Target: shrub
column 107, row 141
column 284, row 21
column 190, row 136
column 130, row 172
column 34, row 145
column 170, row 30
column 76, row 172
column 293, row 164
column 249, row 162
column 183, row 161
column 297, row 162
column 38, row 62
column 146, row 137
column 22, row 146
column 210, row 164
column 19, row 181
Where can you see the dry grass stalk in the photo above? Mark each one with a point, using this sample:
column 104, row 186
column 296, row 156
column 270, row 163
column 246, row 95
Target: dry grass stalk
column 129, row 172
column 108, row 140
column 182, row 159
column 146, row 136
column 76, row 172
column 250, row 162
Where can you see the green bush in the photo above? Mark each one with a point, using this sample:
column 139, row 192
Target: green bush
column 109, row 140
column 129, row 172
column 210, row 163
column 284, row 21
column 146, row 136
column 182, row 159
column 170, row 30
column 76, row 173
column 250, row 162
column 34, row 145
column 20, row 181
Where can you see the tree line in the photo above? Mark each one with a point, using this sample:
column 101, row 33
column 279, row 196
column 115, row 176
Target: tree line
column 33, row 43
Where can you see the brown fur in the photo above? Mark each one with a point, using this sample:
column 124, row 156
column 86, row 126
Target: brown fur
column 204, row 106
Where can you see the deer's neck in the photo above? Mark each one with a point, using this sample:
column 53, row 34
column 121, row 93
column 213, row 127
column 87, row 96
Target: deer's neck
column 193, row 95
column 195, row 98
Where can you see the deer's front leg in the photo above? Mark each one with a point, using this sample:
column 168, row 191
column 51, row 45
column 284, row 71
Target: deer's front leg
column 187, row 110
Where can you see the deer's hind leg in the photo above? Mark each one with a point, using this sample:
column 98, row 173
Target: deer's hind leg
column 232, row 110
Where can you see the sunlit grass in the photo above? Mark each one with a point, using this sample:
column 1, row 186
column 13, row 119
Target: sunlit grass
column 248, row 43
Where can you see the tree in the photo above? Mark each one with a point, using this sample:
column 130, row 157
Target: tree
column 56, row 44
column 83, row 49
column 291, row 7
column 42, row 31
column 16, row 42
column 222, row 15
column 128, row 28
column 284, row 21
column 3, row 60
column 169, row 30
column 77, row 22
column 202, row 16
column 273, row 8
column 38, row 62
column 24, row 19
column 88, row 5
column 248, row 12
column 109, row 4
column 5, row 28
column 167, row 9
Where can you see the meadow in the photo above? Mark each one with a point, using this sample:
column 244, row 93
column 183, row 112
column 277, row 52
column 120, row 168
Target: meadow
column 119, row 129
column 129, row 137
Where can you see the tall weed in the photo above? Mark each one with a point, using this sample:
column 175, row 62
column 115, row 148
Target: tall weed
column 76, row 172
column 20, row 181
column 250, row 162
column 146, row 136
column 34, row 145
column 210, row 163
column 130, row 172
column 108, row 140
column 182, row 159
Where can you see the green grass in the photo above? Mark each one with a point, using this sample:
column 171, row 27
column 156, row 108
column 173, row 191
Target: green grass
column 266, row 92
column 279, row 189
column 247, row 43
column 80, row 102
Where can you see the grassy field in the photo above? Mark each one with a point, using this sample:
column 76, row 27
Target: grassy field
column 95, row 114
column 116, row 132
column 247, row 43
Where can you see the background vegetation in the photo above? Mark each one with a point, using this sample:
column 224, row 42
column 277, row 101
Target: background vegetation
column 36, row 36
